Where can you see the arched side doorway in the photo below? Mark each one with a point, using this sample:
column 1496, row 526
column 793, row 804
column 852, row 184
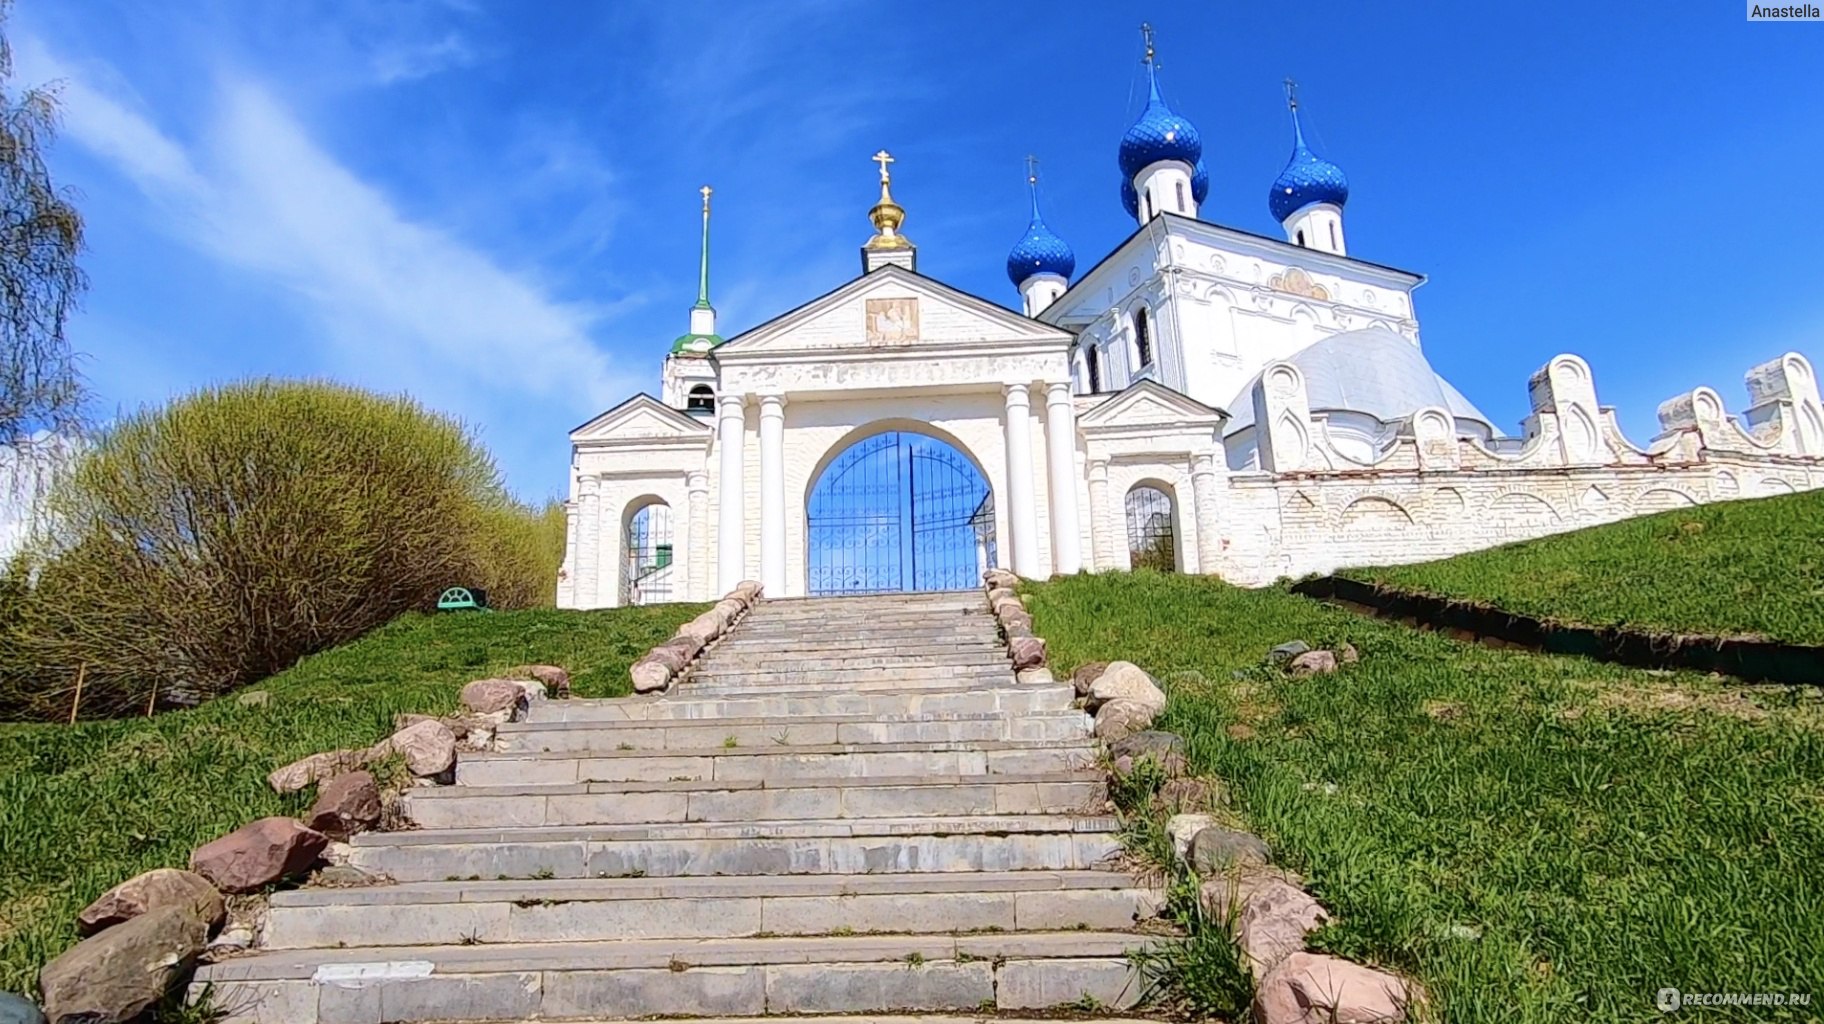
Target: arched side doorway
column 648, row 575
column 898, row 511
column 1152, row 541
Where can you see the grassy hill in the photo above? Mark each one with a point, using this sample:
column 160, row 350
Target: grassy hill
column 1751, row 568
column 84, row 807
column 1537, row 838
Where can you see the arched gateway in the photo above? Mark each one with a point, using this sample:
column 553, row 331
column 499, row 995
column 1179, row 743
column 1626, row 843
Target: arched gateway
column 898, row 510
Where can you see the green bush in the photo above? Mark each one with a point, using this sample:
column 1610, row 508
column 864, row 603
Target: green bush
column 220, row 538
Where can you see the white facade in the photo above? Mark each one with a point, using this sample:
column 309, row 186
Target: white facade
column 1275, row 392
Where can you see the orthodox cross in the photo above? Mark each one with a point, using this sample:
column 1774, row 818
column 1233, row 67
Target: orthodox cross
column 883, row 160
column 1146, row 33
column 1292, row 94
column 1032, row 169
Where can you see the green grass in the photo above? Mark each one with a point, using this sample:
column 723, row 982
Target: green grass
column 1536, row 838
column 85, row 807
column 1752, row 568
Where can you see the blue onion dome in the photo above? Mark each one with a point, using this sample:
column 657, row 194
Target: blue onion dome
column 1040, row 251
column 1200, row 183
column 1158, row 135
column 1308, row 178
column 1130, row 197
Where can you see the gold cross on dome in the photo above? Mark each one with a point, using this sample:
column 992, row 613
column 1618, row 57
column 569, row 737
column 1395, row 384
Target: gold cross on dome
column 706, row 190
column 883, row 159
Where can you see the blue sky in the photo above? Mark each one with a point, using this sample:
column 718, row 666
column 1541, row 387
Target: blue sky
column 492, row 204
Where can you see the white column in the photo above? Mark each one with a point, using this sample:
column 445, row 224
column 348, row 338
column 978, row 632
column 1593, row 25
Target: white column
column 1061, row 448
column 1022, row 514
column 696, row 556
column 772, row 494
column 1099, row 551
column 731, row 526
column 588, row 542
column 566, row 586
column 1203, row 491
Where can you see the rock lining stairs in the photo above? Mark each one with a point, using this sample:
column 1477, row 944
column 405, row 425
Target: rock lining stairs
column 847, row 805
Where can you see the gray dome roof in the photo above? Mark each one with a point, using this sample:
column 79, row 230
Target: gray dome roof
column 1373, row 371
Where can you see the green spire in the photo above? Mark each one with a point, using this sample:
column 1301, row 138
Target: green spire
column 702, row 336
column 703, row 271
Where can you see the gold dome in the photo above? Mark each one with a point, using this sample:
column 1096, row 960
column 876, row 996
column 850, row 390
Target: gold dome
column 887, row 215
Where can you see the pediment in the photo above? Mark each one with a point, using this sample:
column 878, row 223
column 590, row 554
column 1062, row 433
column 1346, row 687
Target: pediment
column 641, row 418
column 1148, row 403
column 891, row 309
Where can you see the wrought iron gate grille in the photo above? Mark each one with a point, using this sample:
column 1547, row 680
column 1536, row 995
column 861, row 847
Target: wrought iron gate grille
column 898, row 511
column 647, row 576
column 1150, row 542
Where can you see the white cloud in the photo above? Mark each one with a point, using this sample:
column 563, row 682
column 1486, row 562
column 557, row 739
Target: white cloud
column 406, row 304
column 405, row 62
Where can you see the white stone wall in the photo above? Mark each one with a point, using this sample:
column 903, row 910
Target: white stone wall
column 1276, row 527
column 1432, row 494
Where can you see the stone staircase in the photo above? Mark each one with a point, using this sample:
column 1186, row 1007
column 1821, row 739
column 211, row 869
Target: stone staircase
column 847, row 806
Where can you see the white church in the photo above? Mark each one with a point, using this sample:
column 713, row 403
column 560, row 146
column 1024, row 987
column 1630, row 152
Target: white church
column 1202, row 400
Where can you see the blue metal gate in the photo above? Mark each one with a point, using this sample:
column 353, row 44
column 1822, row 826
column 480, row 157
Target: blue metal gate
column 898, row 511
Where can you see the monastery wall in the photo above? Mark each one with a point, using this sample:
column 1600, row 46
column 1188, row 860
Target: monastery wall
column 1432, row 494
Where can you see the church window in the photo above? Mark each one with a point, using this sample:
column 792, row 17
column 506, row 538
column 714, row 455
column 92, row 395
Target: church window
column 1333, row 242
column 1301, row 236
column 1092, row 369
column 701, row 399
column 1149, row 203
column 1180, row 187
column 1143, row 338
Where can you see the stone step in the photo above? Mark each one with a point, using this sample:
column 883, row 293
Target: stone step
column 845, row 615
column 867, row 682
column 974, row 603
column 920, row 612
column 819, row 647
column 673, row 707
column 873, row 659
column 896, row 597
column 1018, row 842
column 551, row 737
column 1003, row 757
column 851, row 640
column 857, row 618
column 864, row 974
column 622, row 803
column 959, row 604
column 785, row 676
column 590, row 910
column 778, row 671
